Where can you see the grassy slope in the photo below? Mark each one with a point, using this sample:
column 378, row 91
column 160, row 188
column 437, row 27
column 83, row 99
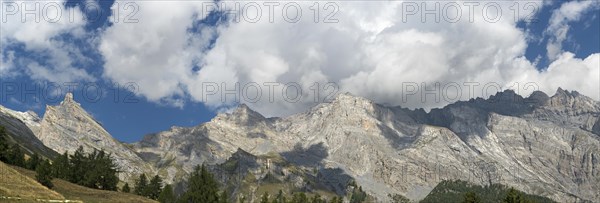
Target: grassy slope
column 76, row 192
column 15, row 184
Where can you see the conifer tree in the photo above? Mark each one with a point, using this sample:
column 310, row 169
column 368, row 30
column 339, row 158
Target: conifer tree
column 265, row 198
column 154, row 188
column 33, row 162
column 300, row 198
column 79, row 166
column 513, row 196
column 471, row 197
column 3, row 145
column 317, row 199
column 16, row 156
column 44, row 174
column 202, row 187
column 126, row 188
column 101, row 173
column 140, row 185
column 167, row 195
column 61, row 167
column 336, row 199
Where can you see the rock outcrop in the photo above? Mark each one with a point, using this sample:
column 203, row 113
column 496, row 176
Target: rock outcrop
column 67, row 126
column 542, row 145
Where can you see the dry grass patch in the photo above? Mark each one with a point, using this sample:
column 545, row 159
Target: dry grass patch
column 73, row 191
column 16, row 185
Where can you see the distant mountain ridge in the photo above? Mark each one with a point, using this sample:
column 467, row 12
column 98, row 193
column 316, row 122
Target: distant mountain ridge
column 543, row 145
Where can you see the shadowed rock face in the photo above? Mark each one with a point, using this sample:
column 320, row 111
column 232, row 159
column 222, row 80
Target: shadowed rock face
column 19, row 126
column 539, row 144
column 67, row 126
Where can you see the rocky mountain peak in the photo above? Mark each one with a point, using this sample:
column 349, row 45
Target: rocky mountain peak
column 245, row 110
column 242, row 111
column 538, row 97
column 572, row 100
column 242, row 115
column 349, row 97
column 347, row 101
column 508, row 96
column 378, row 144
column 69, row 102
column 67, row 126
column 68, row 98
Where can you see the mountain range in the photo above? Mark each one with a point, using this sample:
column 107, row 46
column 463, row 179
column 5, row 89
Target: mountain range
column 540, row 144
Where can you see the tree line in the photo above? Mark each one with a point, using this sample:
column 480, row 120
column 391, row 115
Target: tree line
column 13, row 155
column 203, row 187
column 462, row 191
column 97, row 170
column 94, row 170
column 512, row 196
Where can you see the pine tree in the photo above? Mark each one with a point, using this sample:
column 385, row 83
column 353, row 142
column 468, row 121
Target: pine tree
column 513, row 196
column 16, row 156
column 33, row 162
column 265, row 198
column 167, row 195
column 79, row 166
column 3, row 145
column 105, row 165
column 44, row 174
column 140, row 185
column 202, row 187
column 126, row 188
column 336, row 199
column 101, row 173
column 317, row 199
column 358, row 195
column 154, row 188
column 300, row 198
column 471, row 197
column 61, row 167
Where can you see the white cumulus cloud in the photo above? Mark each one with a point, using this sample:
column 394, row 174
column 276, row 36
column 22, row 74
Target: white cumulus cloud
column 373, row 50
column 39, row 34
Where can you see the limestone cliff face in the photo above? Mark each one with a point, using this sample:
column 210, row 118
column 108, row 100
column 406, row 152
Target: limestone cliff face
column 177, row 151
column 544, row 145
column 540, row 144
column 67, row 126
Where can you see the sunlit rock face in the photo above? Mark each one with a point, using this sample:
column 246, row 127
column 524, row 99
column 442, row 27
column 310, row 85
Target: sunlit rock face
column 67, row 126
column 542, row 145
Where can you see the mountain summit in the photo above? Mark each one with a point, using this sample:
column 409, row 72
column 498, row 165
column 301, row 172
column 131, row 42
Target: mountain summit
column 67, row 126
column 534, row 144
column 543, row 145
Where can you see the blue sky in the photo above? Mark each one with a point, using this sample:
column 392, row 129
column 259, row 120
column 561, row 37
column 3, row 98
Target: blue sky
column 212, row 43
